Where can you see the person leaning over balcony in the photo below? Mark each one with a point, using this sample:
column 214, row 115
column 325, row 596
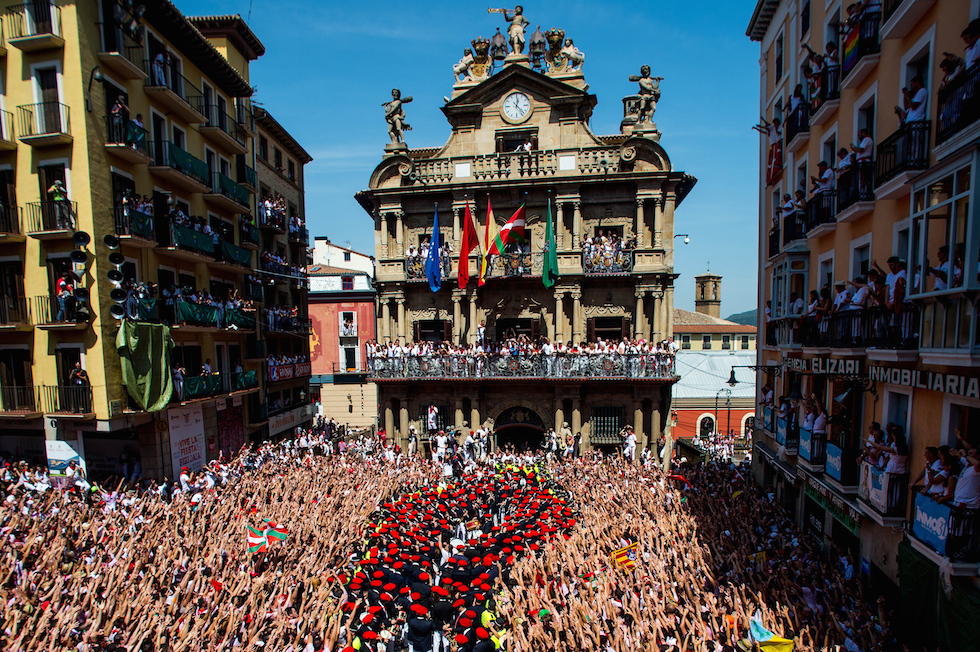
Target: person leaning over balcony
column 795, row 304
column 914, row 100
column 895, row 280
column 844, row 160
column 965, row 487
column 875, row 436
column 932, row 468
column 971, row 39
column 797, row 98
column 824, row 182
column 119, row 115
column 864, row 148
column 842, row 297
column 786, row 211
column 862, row 294
column 895, row 450
column 65, row 293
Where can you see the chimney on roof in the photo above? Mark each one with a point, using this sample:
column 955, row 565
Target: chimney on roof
column 707, row 297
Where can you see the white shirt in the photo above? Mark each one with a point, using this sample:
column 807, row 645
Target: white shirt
column 967, row 492
column 866, row 147
column 820, row 423
column 860, row 298
column 972, row 54
column 919, row 113
column 796, row 307
column 826, row 180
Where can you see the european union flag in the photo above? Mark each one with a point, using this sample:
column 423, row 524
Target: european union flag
column 433, row 267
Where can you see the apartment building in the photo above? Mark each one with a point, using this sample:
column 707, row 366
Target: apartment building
column 884, row 239
column 133, row 122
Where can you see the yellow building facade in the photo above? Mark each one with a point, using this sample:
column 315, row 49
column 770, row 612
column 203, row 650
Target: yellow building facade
column 892, row 84
column 113, row 120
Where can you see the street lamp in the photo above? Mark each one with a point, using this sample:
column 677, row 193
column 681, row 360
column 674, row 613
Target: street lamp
column 94, row 76
column 728, row 393
column 687, row 238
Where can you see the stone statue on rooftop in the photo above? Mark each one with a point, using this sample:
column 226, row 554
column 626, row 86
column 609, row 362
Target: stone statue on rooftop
column 462, row 66
column 395, row 116
column 518, row 23
column 649, row 94
column 573, row 55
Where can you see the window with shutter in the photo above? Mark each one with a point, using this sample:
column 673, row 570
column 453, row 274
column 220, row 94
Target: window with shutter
column 590, row 329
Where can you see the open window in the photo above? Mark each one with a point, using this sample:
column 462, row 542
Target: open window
column 433, row 330
column 516, row 140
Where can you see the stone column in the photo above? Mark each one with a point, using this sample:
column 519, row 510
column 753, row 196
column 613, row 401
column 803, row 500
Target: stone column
column 577, row 224
column 457, row 319
column 403, row 426
column 475, row 416
column 638, row 317
column 471, row 327
column 641, row 441
column 402, row 333
column 459, row 418
column 456, row 210
column 664, row 314
column 400, row 234
column 385, row 326
column 650, row 229
column 577, row 423
column 560, row 316
column 384, row 235
column 390, row 422
column 670, row 311
column 559, row 415
column 640, row 222
column 577, row 316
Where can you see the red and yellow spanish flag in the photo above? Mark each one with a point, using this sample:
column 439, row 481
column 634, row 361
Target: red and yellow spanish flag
column 626, row 557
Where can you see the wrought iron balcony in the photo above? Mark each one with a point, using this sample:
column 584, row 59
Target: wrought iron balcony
column 875, row 327
column 856, row 184
column 134, row 224
column 180, row 166
column 44, row 123
column 524, row 264
column 813, row 447
column 46, row 218
column 300, row 235
column 534, row 366
column 953, row 532
column 861, row 41
column 73, row 400
column 905, row 150
column 275, row 323
column 794, row 227
column 821, row 209
column 248, row 233
column 227, row 193
column 246, row 175
column 224, row 129
column 415, row 268
column 958, row 104
column 10, row 221
column 195, row 387
column 885, row 492
column 15, row 312
column 120, row 53
column 601, row 262
column 7, row 131
column 797, row 123
column 773, row 242
column 19, row 399
column 126, row 135
column 165, row 84
column 33, row 26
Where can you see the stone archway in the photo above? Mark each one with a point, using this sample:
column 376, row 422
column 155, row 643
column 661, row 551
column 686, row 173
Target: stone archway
column 519, row 427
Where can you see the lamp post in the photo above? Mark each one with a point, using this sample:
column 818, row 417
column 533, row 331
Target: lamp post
column 728, row 393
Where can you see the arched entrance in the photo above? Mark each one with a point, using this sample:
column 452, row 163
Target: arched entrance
column 706, row 427
column 518, row 427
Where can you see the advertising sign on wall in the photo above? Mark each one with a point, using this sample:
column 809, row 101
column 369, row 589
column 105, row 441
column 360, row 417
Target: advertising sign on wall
column 60, row 453
column 187, row 444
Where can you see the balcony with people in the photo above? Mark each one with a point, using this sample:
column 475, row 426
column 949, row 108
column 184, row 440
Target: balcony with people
column 855, row 187
column 789, row 225
column 34, row 26
column 607, row 254
column 822, row 73
column 125, row 138
column 861, row 43
column 958, row 103
column 132, row 218
column 285, row 319
column 248, row 232
column 797, row 126
column 945, row 520
column 821, row 208
column 883, row 485
column 298, row 234
column 187, row 309
column 272, row 214
column 280, row 368
column 166, row 85
column 276, row 269
column 906, row 151
column 416, row 257
column 191, row 237
column 520, row 358
column 65, row 307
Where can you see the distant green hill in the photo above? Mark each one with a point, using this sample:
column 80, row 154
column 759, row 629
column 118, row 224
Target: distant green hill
column 747, row 318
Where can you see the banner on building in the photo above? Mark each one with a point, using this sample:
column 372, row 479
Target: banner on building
column 60, row 452
column 187, row 444
column 930, row 523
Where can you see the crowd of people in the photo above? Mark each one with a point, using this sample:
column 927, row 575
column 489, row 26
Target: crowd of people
column 335, row 541
column 417, row 256
column 272, row 212
column 605, row 249
column 175, row 294
column 284, row 318
column 520, row 355
column 273, row 262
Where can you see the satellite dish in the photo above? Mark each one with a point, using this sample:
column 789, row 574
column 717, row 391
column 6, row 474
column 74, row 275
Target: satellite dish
column 117, row 311
column 115, row 276
column 116, row 258
column 81, row 294
column 111, row 241
column 78, row 257
column 81, row 238
column 118, row 295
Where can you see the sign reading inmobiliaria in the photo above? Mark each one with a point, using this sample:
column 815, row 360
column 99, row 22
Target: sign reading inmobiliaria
column 187, row 444
column 937, row 382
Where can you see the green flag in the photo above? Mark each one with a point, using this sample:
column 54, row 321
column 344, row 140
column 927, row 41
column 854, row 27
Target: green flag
column 550, row 274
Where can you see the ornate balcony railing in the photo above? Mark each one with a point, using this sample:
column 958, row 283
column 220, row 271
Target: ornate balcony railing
column 953, row 532
column 861, row 41
column 43, row 119
column 874, row 327
column 886, row 492
column 794, row 227
column 821, row 209
column 115, row 39
column 51, row 216
column 798, row 121
column 415, row 267
column 275, row 323
column 813, row 446
column 119, row 131
column 495, row 366
column 517, row 165
column 602, row 262
column 129, row 222
column 18, row 398
column 958, row 104
column 829, row 86
column 246, row 175
column 166, row 74
column 856, row 184
column 905, row 150
column 516, row 265
column 226, row 123
column 72, row 399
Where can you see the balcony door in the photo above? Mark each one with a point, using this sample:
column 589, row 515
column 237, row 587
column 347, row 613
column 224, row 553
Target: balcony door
column 16, row 380
column 49, row 116
column 9, row 217
column 39, row 16
column 122, row 187
column 507, row 328
column 13, row 305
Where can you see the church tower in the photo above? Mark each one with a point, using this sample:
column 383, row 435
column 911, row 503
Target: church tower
column 707, row 298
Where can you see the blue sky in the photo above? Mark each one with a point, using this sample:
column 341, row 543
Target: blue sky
column 328, row 67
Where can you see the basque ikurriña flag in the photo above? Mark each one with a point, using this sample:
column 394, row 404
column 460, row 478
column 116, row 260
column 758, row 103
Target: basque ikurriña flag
column 257, row 540
column 275, row 531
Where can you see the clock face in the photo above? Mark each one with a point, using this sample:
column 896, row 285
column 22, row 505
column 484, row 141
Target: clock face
column 517, row 106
